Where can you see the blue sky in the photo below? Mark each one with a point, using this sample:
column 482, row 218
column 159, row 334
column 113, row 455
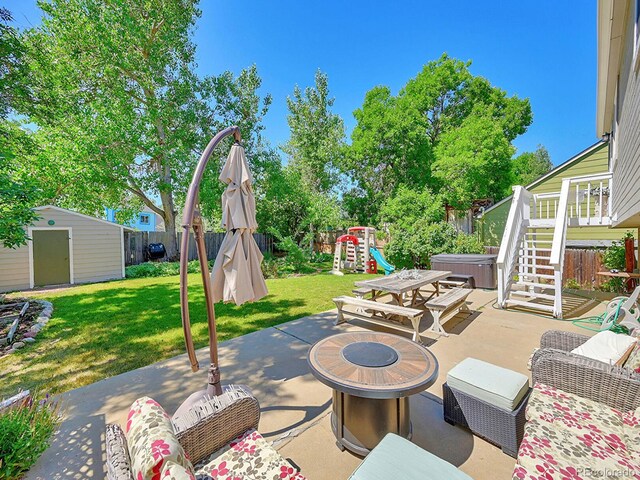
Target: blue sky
column 543, row 50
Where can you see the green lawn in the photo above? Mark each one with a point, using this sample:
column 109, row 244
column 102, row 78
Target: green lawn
column 104, row 329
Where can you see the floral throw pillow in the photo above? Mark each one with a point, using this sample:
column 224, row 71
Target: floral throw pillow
column 633, row 362
column 153, row 446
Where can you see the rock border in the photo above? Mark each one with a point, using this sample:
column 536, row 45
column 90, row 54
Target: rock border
column 41, row 322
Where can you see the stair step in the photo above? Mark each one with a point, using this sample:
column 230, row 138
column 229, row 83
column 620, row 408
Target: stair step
column 546, row 234
column 533, row 265
column 539, row 275
column 525, row 293
column 532, row 257
column 535, row 284
column 537, row 306
column 537, row 249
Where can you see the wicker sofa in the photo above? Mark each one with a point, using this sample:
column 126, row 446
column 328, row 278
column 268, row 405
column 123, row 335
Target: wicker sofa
column 583, row 417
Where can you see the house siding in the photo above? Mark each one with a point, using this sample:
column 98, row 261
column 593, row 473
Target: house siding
column 492, row 223
column 626, row 170
column 97, row 251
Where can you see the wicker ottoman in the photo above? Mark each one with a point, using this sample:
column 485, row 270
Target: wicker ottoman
column 489, row 400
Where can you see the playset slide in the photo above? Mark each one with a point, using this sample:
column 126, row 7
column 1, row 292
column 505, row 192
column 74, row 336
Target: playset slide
column 388, row 268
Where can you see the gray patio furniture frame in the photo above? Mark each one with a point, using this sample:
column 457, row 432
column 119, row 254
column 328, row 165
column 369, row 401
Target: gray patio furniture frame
column 501, row 427
column 554, row 365
column 200, row 436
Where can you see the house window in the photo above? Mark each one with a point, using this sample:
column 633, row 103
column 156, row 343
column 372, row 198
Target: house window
column 145, row 219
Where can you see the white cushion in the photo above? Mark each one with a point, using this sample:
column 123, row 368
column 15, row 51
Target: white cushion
column 605, row 346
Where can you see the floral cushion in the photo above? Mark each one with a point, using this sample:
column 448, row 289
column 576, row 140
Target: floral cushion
column 631, row 431
column 248, row 457
column 573, row 413
column 173, row 471
column 152, row 442
column 569, row 437
column 552, row 452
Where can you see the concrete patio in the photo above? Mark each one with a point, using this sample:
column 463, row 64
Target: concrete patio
column 295, row 406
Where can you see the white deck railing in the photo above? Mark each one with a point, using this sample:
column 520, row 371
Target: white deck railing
column 588, row 202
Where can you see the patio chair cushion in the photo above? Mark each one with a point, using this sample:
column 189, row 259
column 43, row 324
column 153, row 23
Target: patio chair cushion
column 248, row 456
column 567, row 436
column 152, row 441
column 397, row 458
column 631, row 431
column 492, row 384
column 577, row 414
column 607, row 346
column 173, row 471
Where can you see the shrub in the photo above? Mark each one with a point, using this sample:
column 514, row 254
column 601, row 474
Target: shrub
column 613, row 285
column 25, row 431
column 320, row 257
column 572, row 283
column 414, row 247
column 614, row 256
column 161, row 269
column 297, row 257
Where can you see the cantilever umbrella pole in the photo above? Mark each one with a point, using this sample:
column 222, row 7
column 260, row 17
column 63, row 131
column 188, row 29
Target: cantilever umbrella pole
column 192, row 219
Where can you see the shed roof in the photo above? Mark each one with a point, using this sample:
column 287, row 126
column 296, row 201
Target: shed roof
column 71, row 212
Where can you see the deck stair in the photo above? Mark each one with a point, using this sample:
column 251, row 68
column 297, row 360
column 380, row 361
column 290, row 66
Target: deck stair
column 531, row 256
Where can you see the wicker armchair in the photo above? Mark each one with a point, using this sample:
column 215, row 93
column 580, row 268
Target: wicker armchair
column 554, row 365
column 202, row 432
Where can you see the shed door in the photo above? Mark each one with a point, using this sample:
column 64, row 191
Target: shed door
column 50, row 257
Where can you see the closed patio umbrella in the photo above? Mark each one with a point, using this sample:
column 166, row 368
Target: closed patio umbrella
column 236, row 275
column 239, row 258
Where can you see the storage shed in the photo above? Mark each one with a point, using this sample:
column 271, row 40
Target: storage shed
column 65, row 248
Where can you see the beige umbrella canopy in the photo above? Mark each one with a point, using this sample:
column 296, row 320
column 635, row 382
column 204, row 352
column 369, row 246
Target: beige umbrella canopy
column 236, row 275
column 239, row 258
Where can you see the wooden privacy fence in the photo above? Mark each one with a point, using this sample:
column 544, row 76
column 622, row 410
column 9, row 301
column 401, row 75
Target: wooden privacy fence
column 580, row 265
column 135, row 244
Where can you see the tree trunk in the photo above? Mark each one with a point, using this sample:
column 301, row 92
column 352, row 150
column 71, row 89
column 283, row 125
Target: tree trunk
column 170, row 226
column 311, row 239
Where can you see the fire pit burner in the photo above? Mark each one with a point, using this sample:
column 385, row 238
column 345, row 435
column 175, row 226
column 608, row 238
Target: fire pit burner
column 370, row 354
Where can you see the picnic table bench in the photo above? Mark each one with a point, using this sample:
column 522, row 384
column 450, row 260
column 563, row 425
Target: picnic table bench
column 381, row 314
column 390, row 315
column 452, row 301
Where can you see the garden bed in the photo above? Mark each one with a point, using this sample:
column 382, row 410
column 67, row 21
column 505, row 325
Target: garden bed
column 21, row 319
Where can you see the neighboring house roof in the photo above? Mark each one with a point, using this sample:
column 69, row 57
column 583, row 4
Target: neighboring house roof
column 71, row 212
column 556, row 170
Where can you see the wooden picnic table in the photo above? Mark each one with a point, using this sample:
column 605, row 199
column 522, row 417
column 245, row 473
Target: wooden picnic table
column 397, row 287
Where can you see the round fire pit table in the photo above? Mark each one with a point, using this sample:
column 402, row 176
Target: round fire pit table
column 372, row 375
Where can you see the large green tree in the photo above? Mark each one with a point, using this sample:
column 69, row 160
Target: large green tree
column 396, row 138
column 121, row 112
column 529, row 166
column 315, row 144
column 18, row 192
column 473, row 162
column 317, row 135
